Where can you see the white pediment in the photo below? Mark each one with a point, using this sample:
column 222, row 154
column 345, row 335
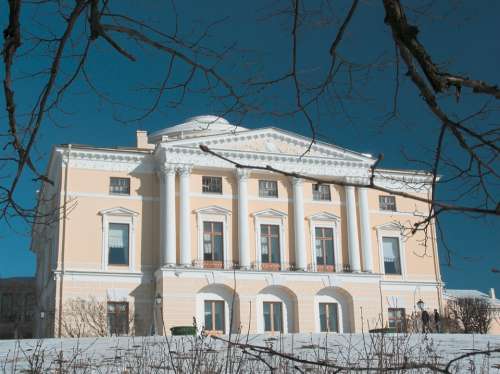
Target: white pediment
column 272, row 141
column 213, row 209
column 390, row 226
column 118, row 211
column 270, row 213
column 324, row 216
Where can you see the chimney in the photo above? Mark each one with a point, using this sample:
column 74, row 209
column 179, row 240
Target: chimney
column 142, row 140
column 492, row 293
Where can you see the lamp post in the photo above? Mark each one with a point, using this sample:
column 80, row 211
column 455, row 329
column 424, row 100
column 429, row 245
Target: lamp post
column 421, row 305
column 158, row 305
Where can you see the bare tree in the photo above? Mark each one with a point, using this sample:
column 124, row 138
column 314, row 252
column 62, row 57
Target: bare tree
column 88, row 317
column 66, row 37
column 474, row 314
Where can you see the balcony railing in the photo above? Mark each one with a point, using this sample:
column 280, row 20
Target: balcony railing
column 274, row 267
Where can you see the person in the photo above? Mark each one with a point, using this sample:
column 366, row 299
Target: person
column 437, row 321
column 425, row 321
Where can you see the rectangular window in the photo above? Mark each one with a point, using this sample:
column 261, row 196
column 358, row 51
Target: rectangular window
column 321, row 192
column 213, row 241
column 328, row 317
column 397, row 319
column 392, row 259
column 119, row 186
column 268, row 189
column 29, row 303
column 270, row 244
column 273, row 316
column 387, row 203
column 118, row 318
column 118, row 244
column 212, row 184
column 214, row 316
column 6, row 307
column 325, row 259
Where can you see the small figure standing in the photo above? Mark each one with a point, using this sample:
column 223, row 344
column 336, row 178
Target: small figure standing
column 425, row 321
column 437, row 321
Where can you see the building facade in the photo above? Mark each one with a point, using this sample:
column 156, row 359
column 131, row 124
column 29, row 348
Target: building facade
column 165, row 233
column 17, row 305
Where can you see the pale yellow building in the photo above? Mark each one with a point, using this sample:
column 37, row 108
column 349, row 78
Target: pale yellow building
column 167, row 232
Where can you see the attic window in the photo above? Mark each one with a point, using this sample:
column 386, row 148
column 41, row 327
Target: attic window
column 268, row 188
column 387, row 203
column 119, row 186
column 321, row 192
column 212, row 184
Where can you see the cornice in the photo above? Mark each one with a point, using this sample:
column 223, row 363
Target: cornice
column 110, row 161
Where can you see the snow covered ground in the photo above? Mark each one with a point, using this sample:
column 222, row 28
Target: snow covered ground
column 199, row 355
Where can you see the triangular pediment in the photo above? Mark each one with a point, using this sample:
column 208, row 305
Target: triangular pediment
column 118, row 211
column 270, row 213
column 272, row 141
column 324, row 216
column 213, row 209
column 390, row 226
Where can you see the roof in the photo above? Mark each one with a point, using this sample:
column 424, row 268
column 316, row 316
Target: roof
column 473, row 294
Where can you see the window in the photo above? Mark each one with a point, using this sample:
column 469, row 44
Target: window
column 273, row 316
column 397, row 319
column 119, row 186
column 213, row 241
column 118, row 243
column 6, row 307
column 118, row 318
column 212, row 184
column 29, row 302
column 392, row 259
column 214, row 316
column 268, row 189
column 321, row 192
column 270, row 244
column 328, row 317
column 387, row 203
column 324, row 248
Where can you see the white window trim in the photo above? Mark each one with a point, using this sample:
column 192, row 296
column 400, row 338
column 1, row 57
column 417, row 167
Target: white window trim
column 328, row 299
column 118, row 215
column 325, row 219
column 261, row 299
column 214, row 214
column 269, row 217
column 391, row 230
column 200, row 308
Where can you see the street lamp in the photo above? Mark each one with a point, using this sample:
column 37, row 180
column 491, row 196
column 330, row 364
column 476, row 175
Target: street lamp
column 158, row 299
column 421, row 305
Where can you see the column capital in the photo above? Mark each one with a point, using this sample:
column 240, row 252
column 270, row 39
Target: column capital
column 297, row 181
column 242, row 173
column 185, row 170
column 168, row 169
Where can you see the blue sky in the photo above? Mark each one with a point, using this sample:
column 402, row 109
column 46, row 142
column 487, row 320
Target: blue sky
column 465, row 40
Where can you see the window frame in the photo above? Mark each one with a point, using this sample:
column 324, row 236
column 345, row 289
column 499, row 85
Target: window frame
column 269, row 217
column 4, row 316
column 328, row 305
column 213, row 316
column 119, row 179
column 323, row 239
column 212, row 177
column 272, row 305
column 317, row 194
column 399, row 256
column 385, row 206
column 397, row 321
column 118, row 215
column 269, row 235
column 262, row 189
column 116, row 314
column 213, row 234
column 391, row 229
column 127, row 250
column 326, row 220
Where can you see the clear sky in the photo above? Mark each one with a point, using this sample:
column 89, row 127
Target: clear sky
column 466, row 40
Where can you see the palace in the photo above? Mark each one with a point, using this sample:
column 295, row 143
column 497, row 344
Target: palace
column 163, row 233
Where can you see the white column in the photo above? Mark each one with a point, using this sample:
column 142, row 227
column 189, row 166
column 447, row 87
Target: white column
column 167, row 216
column 366, row 242
column 298, row 220
column 243, row 238
column 352, row 229
column 185, row 216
